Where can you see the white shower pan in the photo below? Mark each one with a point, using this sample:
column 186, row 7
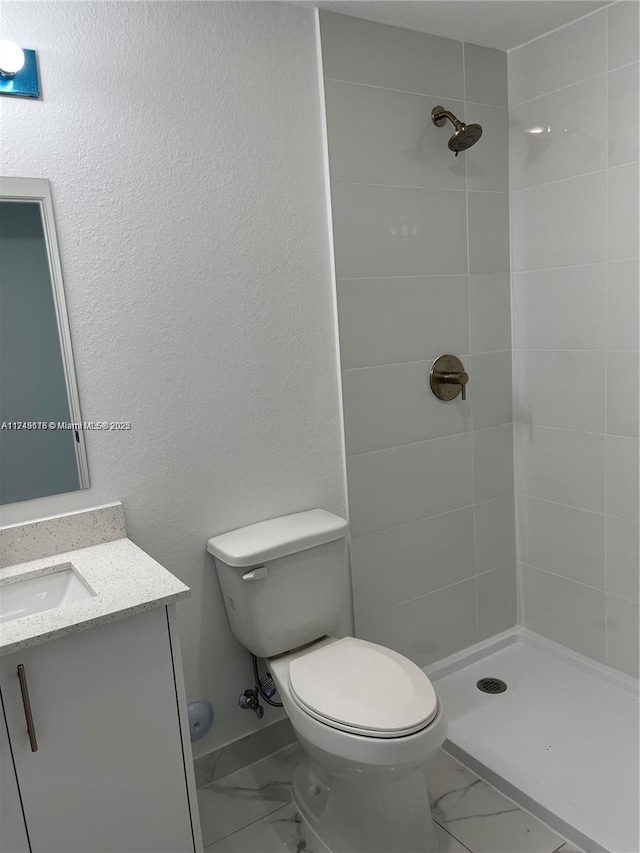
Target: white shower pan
column 562, row 740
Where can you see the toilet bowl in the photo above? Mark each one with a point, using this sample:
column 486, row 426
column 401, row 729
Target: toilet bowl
column 367, row 718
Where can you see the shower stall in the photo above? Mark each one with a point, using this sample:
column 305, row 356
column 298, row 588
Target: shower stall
column 495, row 533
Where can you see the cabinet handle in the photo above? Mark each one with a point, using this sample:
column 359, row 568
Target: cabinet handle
column 31, row 729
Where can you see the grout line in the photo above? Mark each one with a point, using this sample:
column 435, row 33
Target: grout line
column 469, row 321
column 574, row 430
column 403, row 187
column 426, row 518
column 606, row 332
column 246, row 825
column 455, row 838
column 440, row 98
column 563, row 577
column 573, row 580
column 421, row 596
column 464, row 75
column 563, row 181
column 571, row 506
column 431, row 358
column 563, row 26
column 416, row 521
column 470, row 433
column 553, row 269
column 394, row 277
column 424, row 187
column 462, row 274
column 588, row 79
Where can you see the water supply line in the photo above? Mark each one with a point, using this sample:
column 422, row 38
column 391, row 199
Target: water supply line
column 260, row 687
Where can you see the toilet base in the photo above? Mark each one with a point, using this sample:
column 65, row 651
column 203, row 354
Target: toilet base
column 348, row 816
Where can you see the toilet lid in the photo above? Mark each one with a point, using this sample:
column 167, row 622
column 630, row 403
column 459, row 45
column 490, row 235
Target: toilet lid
column 363, row 688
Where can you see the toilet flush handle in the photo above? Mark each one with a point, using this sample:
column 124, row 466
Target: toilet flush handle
column 256, row 574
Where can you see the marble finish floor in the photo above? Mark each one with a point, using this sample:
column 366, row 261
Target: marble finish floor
column 250, row 811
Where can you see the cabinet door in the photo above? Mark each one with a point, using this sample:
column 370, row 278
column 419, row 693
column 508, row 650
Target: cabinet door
column 108, row 775
column 13, row 835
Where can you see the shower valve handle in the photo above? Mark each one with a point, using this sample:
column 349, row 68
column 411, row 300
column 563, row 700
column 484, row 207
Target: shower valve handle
column 457, row 378
column 448, row 378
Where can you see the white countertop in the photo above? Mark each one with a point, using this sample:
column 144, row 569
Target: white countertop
column 124, row 578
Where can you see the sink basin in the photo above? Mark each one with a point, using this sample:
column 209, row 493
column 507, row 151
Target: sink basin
column 59, row 586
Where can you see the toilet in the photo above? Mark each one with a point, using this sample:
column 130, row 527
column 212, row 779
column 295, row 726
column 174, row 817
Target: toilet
column 367, row 718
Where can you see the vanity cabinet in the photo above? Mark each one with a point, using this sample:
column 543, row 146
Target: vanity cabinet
column 13, row 832
column 110, row 771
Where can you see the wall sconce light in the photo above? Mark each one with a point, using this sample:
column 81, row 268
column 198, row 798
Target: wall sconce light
column 18, row 71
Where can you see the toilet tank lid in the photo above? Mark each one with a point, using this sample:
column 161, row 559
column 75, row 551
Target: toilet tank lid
column 277, row 537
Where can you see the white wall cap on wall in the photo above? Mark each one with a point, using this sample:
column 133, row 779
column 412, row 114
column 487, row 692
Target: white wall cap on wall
column 277, row 537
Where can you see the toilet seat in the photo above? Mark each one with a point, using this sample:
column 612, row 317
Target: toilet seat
column 362, row 688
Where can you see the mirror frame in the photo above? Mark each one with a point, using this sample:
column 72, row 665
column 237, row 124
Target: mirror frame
column 39, row 190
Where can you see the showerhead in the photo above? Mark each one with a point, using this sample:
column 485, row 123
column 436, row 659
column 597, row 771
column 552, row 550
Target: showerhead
column 464, row 135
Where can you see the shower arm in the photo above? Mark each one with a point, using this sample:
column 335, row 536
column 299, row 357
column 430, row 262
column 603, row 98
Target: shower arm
column 440, row 117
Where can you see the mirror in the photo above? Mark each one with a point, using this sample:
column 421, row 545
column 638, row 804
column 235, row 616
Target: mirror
column 42, row 448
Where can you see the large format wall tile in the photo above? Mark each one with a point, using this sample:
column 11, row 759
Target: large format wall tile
column 389, row 320
column 488, row 232
column 427, row 628
column 623, row 31
column 485, row 75
column 377, row 55
column 622, row 393
column 406, row 562
column 560, row 224
column 380, row 136
column 623, row 203
column 623, row 114
column 622, row 305
column 622, row 477
column 564, row 466
column 564, row 389
column 563, row 540
column 562, row 610
column 488, row 160
column 564, row 57
column 623, row 557
column 421, row 245
column 489, row 388
column 387, row 487
column 560, row 308
column 575, row 246
column 492, row 462
column 495, row 544
column 622, row 635
column 398, row 231
column 393, row 404
column 489, row 313
column 559, row 135
column 497, row 601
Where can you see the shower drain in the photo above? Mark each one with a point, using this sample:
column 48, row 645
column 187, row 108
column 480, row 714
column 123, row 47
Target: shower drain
column 491, row 685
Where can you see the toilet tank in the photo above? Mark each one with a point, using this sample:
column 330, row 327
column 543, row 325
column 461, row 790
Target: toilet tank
column 282, row 579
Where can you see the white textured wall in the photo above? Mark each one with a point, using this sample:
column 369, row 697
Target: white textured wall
column 183, row 144
column 574, row 237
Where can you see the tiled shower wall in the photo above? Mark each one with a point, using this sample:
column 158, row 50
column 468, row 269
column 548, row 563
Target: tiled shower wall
column 422, row 265
column 574, row 231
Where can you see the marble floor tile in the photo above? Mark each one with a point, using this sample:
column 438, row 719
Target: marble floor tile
column 250, row 811
column 280, row 832
column 283, row 831
column 481, row 818
column 247, row 795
